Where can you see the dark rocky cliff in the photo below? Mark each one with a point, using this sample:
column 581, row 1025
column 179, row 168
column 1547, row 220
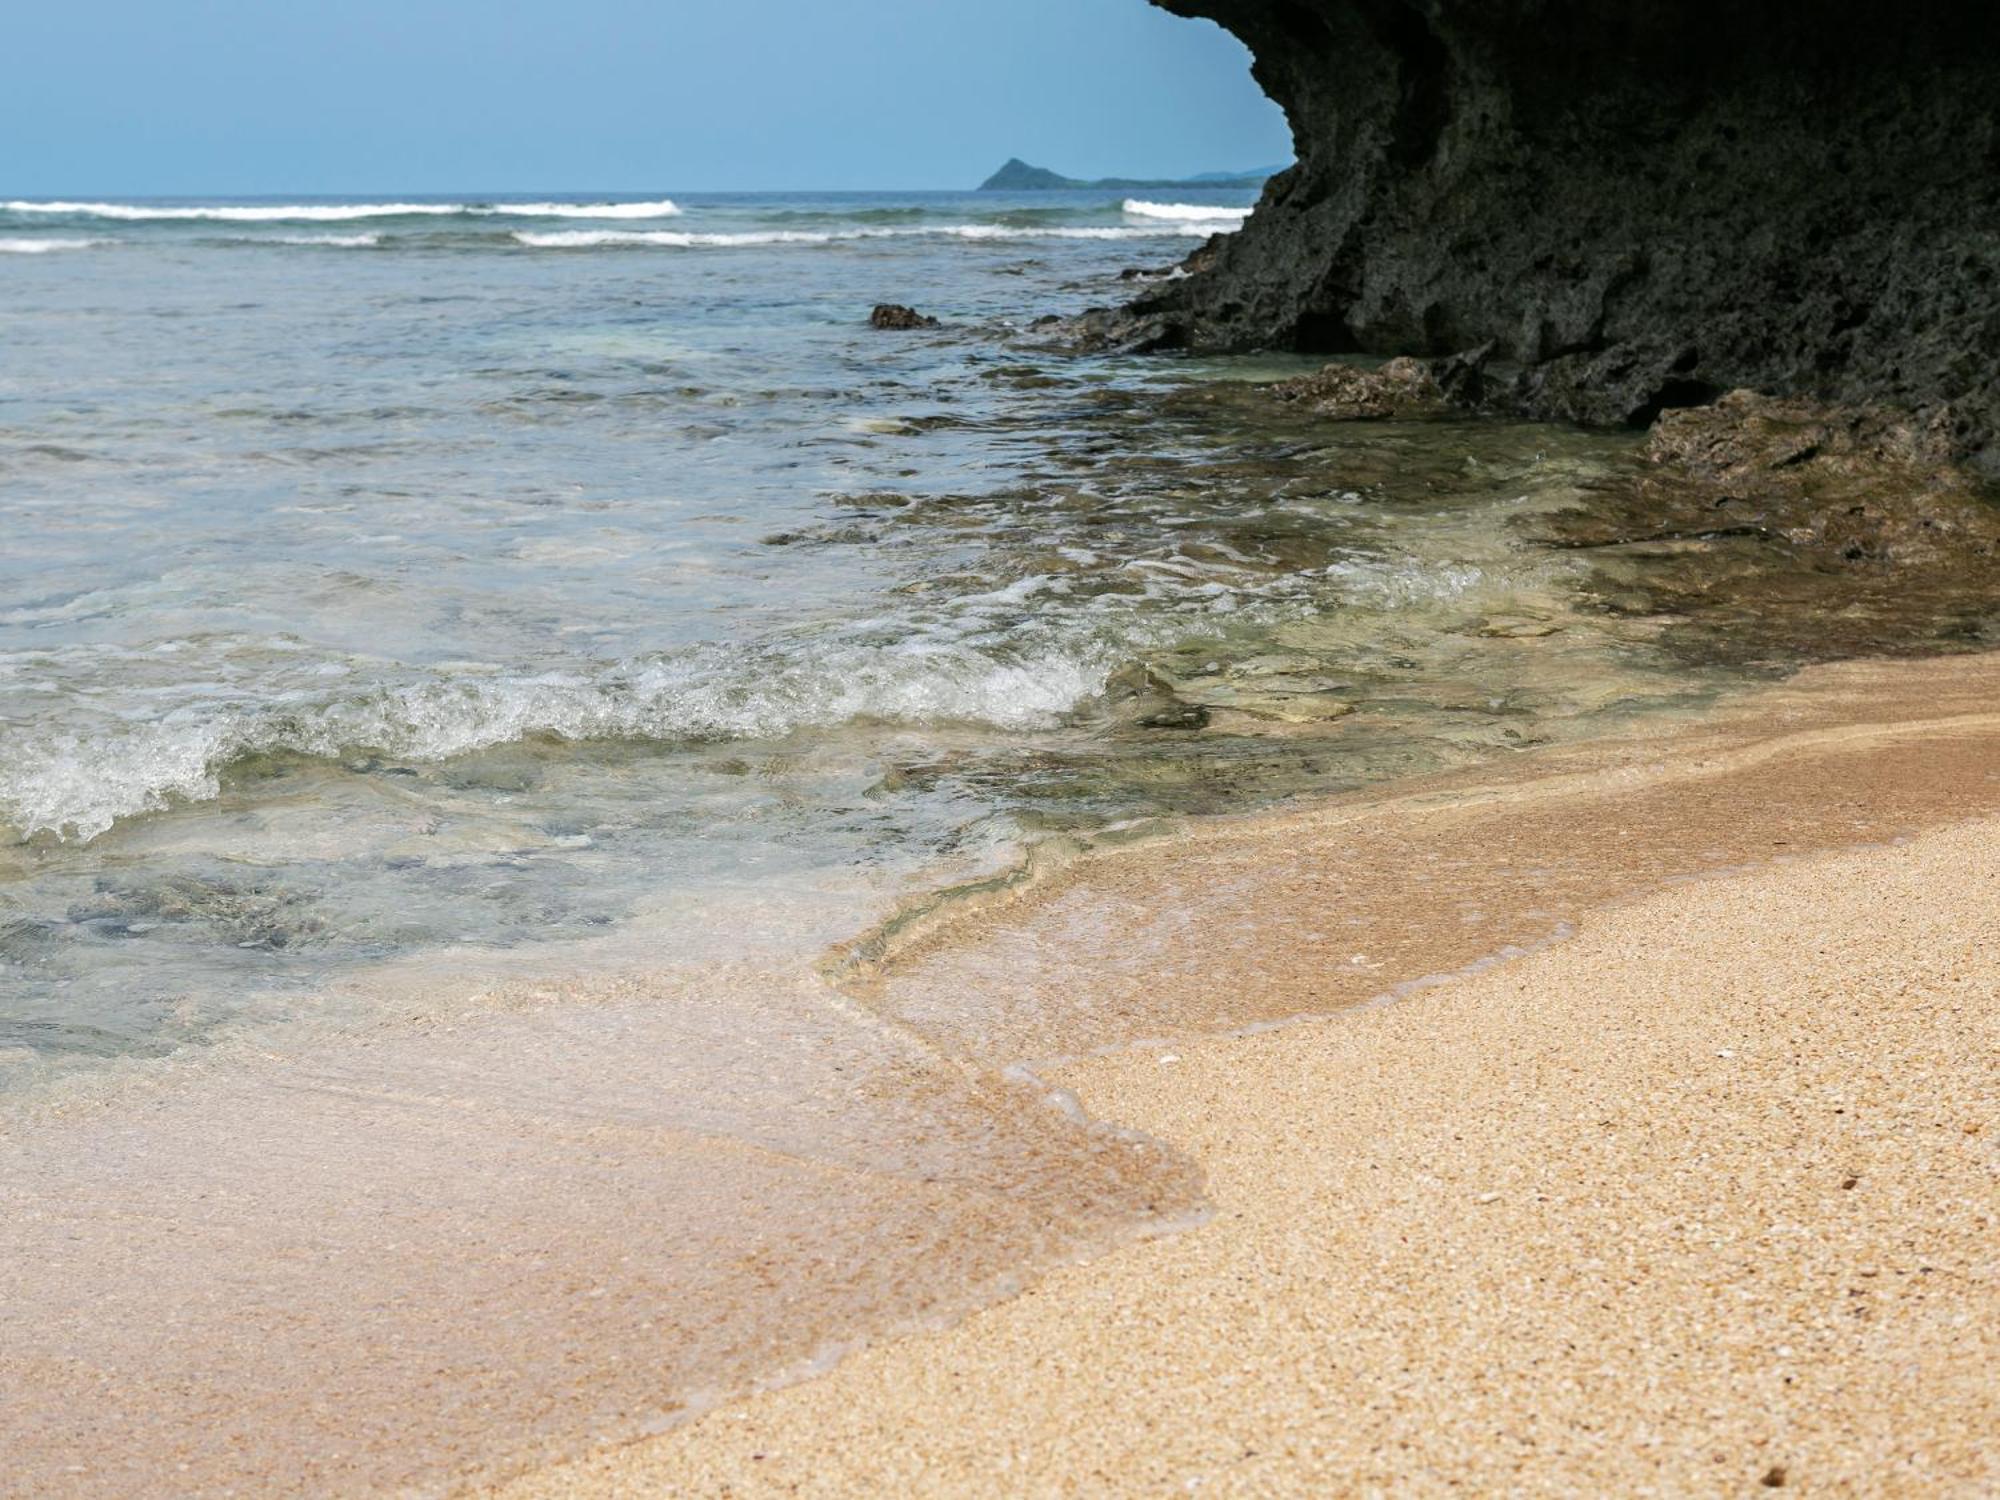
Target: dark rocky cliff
column 1636, row 204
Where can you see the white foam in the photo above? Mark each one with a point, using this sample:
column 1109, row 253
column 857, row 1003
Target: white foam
column 77, row 784
column 1400, row 583
column 43, row 247
column 1207, row 213
column 333, row 241
column 280, row 213
column 660, row 208
column 237, row 213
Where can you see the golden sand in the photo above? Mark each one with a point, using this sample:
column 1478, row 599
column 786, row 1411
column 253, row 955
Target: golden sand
column 1702, row 1198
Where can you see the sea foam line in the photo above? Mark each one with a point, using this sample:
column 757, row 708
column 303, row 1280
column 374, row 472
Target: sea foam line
column 279, row 213
column 77, row 784
column 43, row 247
column 659, row 208
column 1209, row 213
column 329, row 241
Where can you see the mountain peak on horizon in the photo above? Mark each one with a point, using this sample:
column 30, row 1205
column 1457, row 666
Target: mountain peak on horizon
column 1017, row 176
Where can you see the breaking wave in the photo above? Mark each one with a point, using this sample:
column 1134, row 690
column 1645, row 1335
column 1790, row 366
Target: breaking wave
column 77, row 785
column 334, row 241
column 1206, row 213
column 258, row 213
column 283, row 213
column 43, row 247
column 660, row 208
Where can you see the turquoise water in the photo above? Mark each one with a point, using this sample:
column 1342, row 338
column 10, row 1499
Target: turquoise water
column 392, row 578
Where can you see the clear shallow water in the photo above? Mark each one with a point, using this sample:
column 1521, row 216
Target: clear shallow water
column 462, row 665
column 386, row 578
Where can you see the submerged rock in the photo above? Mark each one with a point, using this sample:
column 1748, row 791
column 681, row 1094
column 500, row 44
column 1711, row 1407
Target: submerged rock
column 1174, row 714
column 1144, row 697
column 1286, row 708
column 1507, row 628
column 894, row 316
column 1802, row 526
column 1842, row 485
column 1241, row 697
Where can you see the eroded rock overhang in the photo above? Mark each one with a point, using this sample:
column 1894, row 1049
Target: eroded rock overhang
column 1628, row 205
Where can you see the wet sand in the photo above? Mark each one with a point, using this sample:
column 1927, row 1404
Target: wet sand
column 1698, row 1192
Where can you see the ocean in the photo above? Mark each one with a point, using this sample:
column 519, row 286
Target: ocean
column 383, row 577
column 479, row 675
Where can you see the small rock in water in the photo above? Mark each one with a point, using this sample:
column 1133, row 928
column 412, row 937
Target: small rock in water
column 893, row 315
column 1505, row 628
column 1176, row 715
column 1146, row 698
column 1284, row 689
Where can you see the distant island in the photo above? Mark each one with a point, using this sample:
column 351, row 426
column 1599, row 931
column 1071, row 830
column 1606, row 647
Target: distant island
column 1018, row 177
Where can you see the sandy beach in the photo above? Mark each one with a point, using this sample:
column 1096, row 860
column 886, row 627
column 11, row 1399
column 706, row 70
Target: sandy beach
column 1696, row 1193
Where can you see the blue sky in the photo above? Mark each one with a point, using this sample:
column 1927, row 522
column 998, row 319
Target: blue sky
column 259, row 96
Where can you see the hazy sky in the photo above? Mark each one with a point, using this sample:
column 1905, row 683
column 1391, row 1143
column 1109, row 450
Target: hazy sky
column 248, row 96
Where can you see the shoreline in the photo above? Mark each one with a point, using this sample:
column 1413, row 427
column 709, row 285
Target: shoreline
column 1385, row 1299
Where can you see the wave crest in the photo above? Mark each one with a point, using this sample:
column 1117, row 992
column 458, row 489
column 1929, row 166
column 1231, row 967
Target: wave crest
column 305, row 213
column 77, row 784
column 332, row 241
column 659, row 208
column 230, row 213
column 1203, row 213
column 43, row 247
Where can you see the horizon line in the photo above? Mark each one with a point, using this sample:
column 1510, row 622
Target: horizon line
column 381, row 193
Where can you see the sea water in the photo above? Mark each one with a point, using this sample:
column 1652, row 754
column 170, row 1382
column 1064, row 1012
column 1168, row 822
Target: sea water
column 386, row 576
column 464, row 665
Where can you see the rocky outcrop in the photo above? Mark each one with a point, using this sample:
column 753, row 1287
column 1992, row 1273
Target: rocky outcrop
column 1626, row 206
column 1760, row 523
column 1834, row 485
column 1403, row 387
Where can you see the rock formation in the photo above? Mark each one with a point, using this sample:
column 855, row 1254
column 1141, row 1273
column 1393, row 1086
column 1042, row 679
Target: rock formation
column 1343, row 393
column 1833, row 484
column 1619, row 207
column 1785, row 526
